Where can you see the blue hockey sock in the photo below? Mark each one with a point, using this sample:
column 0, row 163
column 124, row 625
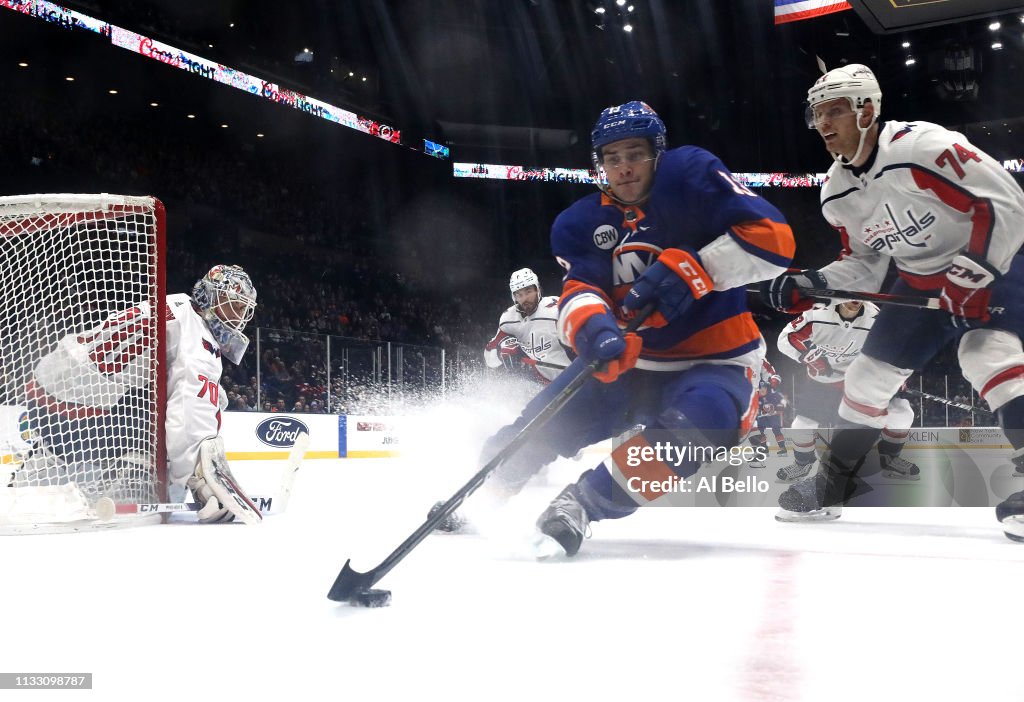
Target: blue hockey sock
column 602, row 497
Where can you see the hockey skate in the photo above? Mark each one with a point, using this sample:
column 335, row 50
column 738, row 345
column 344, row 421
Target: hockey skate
column 794, row 471
column 782, row 452
column 454, row 523
column 898, row 467
column 1010, row 513
column 821, row 496
column 563, row 525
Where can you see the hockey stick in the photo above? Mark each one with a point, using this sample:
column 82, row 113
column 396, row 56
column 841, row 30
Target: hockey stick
column 106, row 508
column 944, row 401
column 928, row 303
column 351, row 583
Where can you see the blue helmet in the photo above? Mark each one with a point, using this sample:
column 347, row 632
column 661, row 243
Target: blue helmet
column 633, row 119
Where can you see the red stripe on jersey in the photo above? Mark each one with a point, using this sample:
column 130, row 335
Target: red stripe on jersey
column 498, row 338
column 983, row 219
column 69, row 410
column 774, row 237
column 1002, row 377
column 864, row 409
column 844, row 238
column 800, row 338
column 168, row 314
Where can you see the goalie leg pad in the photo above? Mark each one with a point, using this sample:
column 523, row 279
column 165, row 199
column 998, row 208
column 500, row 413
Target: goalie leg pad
column 215, row 486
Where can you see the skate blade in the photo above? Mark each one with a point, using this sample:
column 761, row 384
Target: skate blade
column 1013, row 527
column 545, row 548
column 826, row 514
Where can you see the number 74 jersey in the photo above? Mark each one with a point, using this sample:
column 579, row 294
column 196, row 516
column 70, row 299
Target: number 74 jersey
column 925, row 195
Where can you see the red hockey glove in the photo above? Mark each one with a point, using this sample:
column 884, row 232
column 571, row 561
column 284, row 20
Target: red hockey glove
column 510, row 353
column 968, row 290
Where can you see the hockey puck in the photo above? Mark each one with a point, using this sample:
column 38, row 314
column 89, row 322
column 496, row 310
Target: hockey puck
column 372, row 598
column 105, row 509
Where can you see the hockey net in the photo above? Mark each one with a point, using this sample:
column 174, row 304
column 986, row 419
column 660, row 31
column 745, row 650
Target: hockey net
column 81, row 359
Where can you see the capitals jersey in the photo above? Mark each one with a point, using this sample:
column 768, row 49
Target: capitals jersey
column 91, row 376
column 925, row 195
column 822, row 332
column 537, row 336
column 696, row 204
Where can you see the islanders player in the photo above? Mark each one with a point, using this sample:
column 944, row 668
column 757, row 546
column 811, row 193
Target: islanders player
column 676, row 229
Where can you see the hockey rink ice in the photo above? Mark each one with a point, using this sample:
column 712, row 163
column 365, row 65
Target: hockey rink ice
column 692, row 604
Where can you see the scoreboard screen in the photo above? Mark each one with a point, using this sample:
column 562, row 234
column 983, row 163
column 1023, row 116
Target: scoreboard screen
column 888, row 16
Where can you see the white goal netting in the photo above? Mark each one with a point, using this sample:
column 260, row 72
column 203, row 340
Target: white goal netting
column 81, row 342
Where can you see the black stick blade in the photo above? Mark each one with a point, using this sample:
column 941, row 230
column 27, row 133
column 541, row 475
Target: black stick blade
column 350, row 583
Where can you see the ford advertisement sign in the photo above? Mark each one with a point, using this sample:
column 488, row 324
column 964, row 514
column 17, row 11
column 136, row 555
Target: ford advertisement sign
column 280, row 432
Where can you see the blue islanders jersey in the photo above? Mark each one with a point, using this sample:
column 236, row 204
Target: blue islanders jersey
column 695, row 204
column 770, row 404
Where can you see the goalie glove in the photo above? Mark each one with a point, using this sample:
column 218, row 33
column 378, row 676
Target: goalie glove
column 782, row 293
column 214, row 486
column 968, row 290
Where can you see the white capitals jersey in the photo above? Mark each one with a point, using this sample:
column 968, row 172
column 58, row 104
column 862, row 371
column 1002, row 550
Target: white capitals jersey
column 194, row 400
column 96, row 370
column 537, row 336
column 822, row 332
column 926, row 195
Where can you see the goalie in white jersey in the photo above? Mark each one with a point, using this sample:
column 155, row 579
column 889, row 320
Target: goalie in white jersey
column 825, row 340
column 952, row 220
column 78, row 389
column 527, row 333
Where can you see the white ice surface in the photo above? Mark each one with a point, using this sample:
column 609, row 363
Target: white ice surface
column 699, row 604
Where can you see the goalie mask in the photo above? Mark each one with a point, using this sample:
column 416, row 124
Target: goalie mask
column 226, row 299
column 523, row 279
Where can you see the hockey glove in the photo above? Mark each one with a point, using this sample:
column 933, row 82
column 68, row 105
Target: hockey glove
column 674, row 281
column 601, row 339
column 782, row 294
column 510, row 353
column 968, row 290
column 816, row 361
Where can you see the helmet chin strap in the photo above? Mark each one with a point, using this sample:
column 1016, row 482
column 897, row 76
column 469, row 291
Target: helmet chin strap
column 860, row 145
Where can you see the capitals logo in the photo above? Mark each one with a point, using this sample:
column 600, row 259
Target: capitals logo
column 210, row 347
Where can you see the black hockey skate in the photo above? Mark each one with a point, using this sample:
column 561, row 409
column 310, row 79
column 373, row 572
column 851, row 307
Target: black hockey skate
column 898, row 467
column 794, row 471
column 454, row 523
column 821, row 496
column 1010, row 513
column 565, row 521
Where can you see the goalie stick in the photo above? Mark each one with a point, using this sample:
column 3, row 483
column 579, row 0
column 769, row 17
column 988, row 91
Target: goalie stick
column 928, row 303
column 351, row 584
column 106, row 508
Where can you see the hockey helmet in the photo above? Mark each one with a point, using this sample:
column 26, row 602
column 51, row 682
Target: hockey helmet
column 226, row 298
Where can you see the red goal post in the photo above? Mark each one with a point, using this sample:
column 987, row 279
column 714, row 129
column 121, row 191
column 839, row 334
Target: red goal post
column 82, row 375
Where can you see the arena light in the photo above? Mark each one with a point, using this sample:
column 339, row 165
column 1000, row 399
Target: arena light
column 997, row 45
column 112, row 91
column 23, row 64
column 154, row 104
column 620, row 3
column 259, row 135
column 910, row 61
column 70, row 79
column 599, row 10
column 995, row 26
column 906, row 45
column 627, row 28
column 191, row 116
column 223, row 126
